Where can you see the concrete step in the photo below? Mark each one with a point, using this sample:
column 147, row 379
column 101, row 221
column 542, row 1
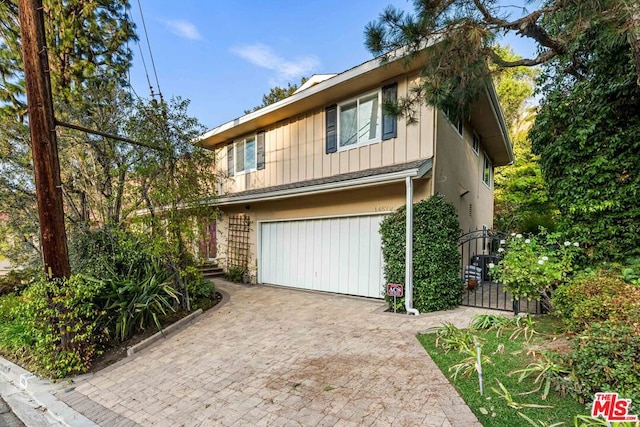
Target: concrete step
column 211, row 270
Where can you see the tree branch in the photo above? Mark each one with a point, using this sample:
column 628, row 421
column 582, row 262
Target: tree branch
column 526, row 26
column 540, row 59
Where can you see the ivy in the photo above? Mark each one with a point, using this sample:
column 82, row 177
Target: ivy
column 586, row 133
column 436, row 260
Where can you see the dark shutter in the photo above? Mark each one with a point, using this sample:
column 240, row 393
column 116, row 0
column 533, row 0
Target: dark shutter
column 389, row 122
column 331, row 114
column 260, row 150
column 230, row 159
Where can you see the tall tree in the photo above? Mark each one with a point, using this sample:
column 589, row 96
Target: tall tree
column 521, row 200
column 586, row 133
column 277, row 94
column 87, row 49
column 463, row 35
column 172, row 183
column 86, row 41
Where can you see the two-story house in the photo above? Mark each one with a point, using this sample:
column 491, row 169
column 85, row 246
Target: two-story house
column 310, row 177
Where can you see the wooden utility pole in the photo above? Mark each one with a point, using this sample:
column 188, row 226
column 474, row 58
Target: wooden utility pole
column 44, row 144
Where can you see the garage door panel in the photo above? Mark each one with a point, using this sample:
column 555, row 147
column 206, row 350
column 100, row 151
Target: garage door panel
column 340, row 255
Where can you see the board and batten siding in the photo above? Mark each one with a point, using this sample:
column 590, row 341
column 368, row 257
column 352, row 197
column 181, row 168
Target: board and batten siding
column 295, row 150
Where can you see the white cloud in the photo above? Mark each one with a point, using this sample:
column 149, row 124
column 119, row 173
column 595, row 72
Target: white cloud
column 184, row 29
column 286, row 70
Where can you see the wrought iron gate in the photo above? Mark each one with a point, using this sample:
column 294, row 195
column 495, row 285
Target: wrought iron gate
column 479, row 249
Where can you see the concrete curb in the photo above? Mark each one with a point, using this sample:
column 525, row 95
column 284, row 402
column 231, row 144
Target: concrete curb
column 174, row 327
column 164, row 333
column 40, row 390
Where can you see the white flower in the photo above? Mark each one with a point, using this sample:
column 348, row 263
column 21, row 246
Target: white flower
column 518, row 236
column 567, row 243
column 500, row 249
column 513, row 234
column 576, row 244
column 527, row 240
column 502, row 242
column 545, row 258
column 491, row 265
column 540, row 262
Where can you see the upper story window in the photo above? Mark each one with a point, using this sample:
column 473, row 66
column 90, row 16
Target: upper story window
column 475, row 143
column 246, row 155
column 487, row 171
column 456, row 123
column 359, row 120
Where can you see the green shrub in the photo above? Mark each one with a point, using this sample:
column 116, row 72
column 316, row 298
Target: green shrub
column 132, row 304
column 533, row 266
column 436, row 260
column 596, row 297
column 15, row 334
column 111, row 253
column 64, row 317
column 605, row 358
column 235, row 274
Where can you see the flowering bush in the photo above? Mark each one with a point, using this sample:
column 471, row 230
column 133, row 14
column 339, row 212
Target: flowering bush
column 530, row 267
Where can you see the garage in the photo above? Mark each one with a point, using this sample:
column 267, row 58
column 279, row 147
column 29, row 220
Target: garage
column 338, row 254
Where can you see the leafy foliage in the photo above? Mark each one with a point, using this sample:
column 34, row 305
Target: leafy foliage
column 436, row 285
column 136, row 304
column 462, row 34
column 68, row 306
column 586, row 133
column 596, row 297
column 605, row 358
column 531, row 267
column 86, row 40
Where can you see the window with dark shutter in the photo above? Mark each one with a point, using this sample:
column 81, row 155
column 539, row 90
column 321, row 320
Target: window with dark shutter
column 331, row 115
column 230, row 159
column 389, row 122
column 260, row 150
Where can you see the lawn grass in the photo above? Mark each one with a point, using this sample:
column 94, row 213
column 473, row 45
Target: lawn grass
column 491, row 409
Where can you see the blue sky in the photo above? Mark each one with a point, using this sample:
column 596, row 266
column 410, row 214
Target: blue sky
column 224, row 55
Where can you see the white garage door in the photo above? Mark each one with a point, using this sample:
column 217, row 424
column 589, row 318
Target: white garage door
column 340, row 255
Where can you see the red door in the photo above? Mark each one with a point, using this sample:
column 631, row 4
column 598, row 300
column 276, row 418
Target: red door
column 208, row 244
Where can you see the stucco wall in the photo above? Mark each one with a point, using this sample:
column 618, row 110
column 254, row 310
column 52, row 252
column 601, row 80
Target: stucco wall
column 295, row 149
column 367, row 200
column 459, row 169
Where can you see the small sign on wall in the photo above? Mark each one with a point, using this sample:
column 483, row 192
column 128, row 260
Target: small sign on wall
column 395, row 290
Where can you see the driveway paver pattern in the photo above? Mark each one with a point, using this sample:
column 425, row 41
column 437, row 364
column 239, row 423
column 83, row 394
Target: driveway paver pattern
column 278, row 357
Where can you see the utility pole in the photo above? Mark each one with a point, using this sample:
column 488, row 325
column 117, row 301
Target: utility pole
column 44, row 144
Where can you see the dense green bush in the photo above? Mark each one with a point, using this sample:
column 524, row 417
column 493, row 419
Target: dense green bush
column 604, row 357
column 532, row 266
column 66, row 323
column 596, row 297
column 436, row 260
column 131, row 304
column 113, row 253
column 235, row 274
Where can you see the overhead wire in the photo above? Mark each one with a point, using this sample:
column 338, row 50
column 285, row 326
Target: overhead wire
column 153, row 64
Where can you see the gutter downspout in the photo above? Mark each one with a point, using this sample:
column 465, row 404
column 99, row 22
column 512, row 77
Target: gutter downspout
column 408, row 268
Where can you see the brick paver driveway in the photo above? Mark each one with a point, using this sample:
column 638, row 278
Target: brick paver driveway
column 273, row 356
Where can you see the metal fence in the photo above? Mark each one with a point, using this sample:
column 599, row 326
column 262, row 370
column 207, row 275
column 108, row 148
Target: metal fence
column 478, row 250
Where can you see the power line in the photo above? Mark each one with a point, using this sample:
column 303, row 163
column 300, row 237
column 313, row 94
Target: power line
column 144, row 63
column 153, row 64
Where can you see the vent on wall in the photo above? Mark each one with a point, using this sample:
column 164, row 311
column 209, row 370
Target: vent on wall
column 470, row 209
